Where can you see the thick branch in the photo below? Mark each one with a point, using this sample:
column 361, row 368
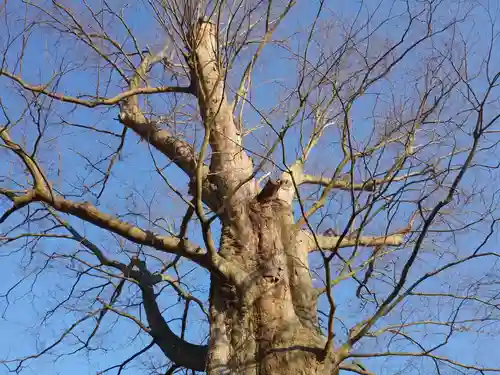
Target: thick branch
column 131, row 115
column 333, row 242
column 230, row 165
column 91, row 214
column 340, row 183
column 343, row 183
column 178, row 150
column 178, row 350
column 39, row 178
column 42, row 192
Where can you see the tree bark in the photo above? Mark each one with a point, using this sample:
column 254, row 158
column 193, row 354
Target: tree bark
column 264, row 322
column 267, row 325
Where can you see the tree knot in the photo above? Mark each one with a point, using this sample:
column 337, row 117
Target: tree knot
column 269, row 191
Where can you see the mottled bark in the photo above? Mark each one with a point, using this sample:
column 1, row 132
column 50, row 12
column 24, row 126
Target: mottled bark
column 266, row 322
column 230, row 166
column 267, row 325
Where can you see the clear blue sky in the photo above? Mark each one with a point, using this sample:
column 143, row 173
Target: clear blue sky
column 23, row 331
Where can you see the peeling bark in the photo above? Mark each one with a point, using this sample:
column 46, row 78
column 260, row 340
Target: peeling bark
column 267, row 325
column 230, row 165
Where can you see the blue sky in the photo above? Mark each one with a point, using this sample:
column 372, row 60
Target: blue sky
column 134, row 178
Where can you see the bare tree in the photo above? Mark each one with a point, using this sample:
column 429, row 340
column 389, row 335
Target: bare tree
column 251, row 186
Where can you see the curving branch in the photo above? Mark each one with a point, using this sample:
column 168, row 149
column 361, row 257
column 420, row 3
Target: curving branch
column 133, row 91
column 131, row 116
column 175, row 348
column 42, row 192
column 178, row 350
column 178, row 150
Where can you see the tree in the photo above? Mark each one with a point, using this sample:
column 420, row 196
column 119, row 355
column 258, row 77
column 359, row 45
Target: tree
column 329, row 169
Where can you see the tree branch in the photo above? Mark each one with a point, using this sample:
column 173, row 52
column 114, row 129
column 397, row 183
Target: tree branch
column 91, row 214
column 341, row 183
column 179, row 351
column 179, row 151
column 176, row 349
column 333, row 242
column 429, row 355
column 356, row 368
column 230, row 165
column 176, row 149
column 133, row 91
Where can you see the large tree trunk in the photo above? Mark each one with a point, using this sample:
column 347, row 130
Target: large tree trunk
column 267, row 326
column 265, row 322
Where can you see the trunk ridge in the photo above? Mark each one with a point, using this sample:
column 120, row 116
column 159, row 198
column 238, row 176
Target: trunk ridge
column 265, row 327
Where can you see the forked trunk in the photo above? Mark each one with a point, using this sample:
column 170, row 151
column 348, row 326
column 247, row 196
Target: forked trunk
column 268, row 325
